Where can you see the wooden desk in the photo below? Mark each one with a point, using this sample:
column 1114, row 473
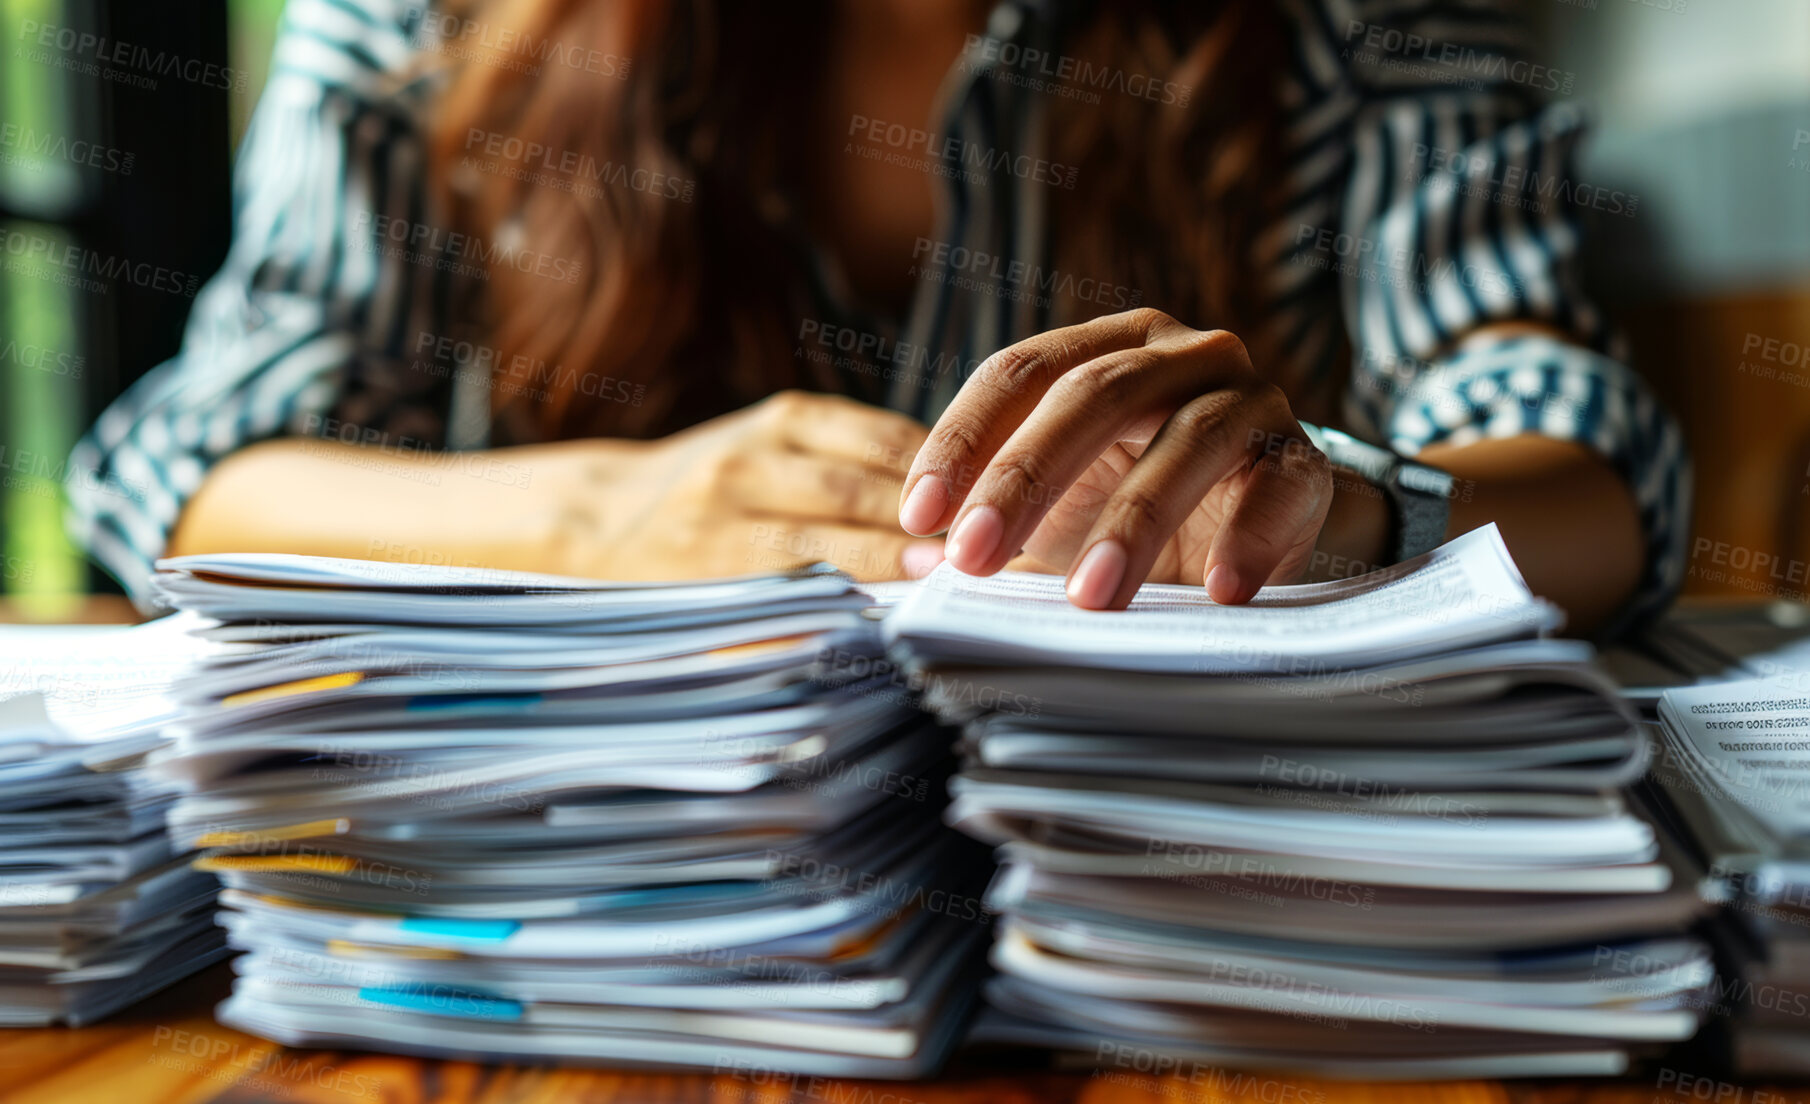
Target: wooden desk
column 168, row 1050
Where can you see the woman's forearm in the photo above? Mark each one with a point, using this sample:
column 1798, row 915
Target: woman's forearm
column 1568, row 518
column 492, row 508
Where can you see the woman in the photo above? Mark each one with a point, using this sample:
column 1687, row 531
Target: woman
column 1112, row 253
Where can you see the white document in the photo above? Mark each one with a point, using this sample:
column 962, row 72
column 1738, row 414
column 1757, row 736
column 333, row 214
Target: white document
column 252, row 586
column 1466, row 593
column 98, row 682
column 1751, row 740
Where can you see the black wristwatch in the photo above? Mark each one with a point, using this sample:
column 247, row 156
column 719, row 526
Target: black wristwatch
column 1420, row 497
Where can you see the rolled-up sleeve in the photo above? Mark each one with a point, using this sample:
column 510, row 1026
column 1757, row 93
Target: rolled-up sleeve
column 1460, row 211
column 272, row 336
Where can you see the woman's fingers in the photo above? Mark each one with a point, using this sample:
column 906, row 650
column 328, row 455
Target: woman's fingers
column 1081, row 417
column 1000, row 395
column 1127, row 393
column 810, row 485
column 1210, row 438
column 1274, row 522
column 841, row 428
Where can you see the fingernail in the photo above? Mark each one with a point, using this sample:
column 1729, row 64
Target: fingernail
column 976, row 538
column 1224, row 586
column 924, row 506
column 920, row 558
column 1097, row 577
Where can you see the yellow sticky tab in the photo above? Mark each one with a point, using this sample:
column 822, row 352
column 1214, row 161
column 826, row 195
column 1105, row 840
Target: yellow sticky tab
column 861, row 945
column 290, row 689
column 759, row 647
column 314, row 829
column 278, row 864
column 361, row 950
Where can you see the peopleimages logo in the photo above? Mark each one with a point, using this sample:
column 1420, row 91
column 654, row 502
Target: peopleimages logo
column 450, row 250
column 1394, row 48
column 568, row 170
column 1362, row 258
column 26, row 253
column 511, row 48
column 978, row 264
column 945, row 150
column 1488, row 177
column 43, row 359
column 876, row 354
column 518, row 374
column 20, row 143
column 1011, row 59
column 114, row 59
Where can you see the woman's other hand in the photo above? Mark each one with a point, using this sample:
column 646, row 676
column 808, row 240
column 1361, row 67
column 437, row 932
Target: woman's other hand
column 1126, row 449
column 793, row 479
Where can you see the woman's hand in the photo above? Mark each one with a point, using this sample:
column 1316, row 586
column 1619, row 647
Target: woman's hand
column 791, row 480
column 1125, row 449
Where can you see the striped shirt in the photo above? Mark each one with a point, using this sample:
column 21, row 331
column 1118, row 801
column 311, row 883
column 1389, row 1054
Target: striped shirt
column 1429, row 192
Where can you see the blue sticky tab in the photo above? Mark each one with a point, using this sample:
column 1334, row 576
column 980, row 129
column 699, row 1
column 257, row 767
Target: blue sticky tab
column 442, row 1000
column 486, row 930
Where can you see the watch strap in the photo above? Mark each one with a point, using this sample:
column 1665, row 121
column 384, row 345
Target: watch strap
column 1419, row 496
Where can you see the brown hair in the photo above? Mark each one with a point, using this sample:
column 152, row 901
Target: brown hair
column 697, row 299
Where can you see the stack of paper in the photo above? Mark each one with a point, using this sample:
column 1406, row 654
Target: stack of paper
column 97, row 908
column 482, row 813
column 1704, row 643
column 1734, row 762
column 1373, row 827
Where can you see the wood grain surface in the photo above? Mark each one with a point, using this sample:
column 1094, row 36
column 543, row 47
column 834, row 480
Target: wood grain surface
column 168, row 1050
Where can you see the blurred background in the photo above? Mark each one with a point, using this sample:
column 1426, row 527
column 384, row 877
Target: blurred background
column 1702, row 116
column 133, row 163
